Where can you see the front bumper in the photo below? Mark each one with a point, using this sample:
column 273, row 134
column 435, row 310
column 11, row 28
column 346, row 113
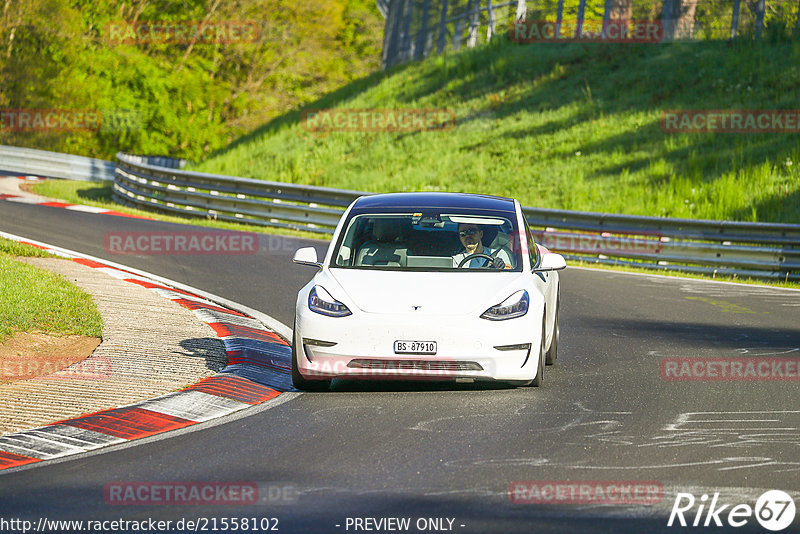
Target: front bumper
column 361, row 346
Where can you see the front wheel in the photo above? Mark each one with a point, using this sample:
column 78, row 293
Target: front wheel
column 552, row 352
column 297, row 379
column 536, row 382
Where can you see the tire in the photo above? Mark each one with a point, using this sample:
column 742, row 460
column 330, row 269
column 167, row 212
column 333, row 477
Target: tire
column 297, row 379
column 537, row 382
column 552, row 352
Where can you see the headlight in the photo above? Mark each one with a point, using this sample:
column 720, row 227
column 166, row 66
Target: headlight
column 321, row 301
column 514, row 306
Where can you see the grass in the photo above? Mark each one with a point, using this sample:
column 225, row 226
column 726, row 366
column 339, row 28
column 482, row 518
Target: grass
column 573, row 126
column 15, row 248
column 33, row 299
column 99, row 194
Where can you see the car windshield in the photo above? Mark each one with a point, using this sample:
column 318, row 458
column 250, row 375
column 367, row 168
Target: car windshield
column 429, row 242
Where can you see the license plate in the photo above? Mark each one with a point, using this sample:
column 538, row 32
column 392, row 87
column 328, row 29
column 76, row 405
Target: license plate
column 414, row 347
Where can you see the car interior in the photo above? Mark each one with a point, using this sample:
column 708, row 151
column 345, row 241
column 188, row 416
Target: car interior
column 396, row 242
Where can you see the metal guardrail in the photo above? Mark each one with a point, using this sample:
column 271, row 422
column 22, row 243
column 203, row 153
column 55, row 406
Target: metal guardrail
column 761, row 250
column 159, row 161
column 228, row 198
column 28, row 161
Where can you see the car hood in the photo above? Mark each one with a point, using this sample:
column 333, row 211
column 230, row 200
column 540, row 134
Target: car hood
column 446, row 293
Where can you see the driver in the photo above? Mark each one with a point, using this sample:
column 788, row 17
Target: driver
column 470, row 236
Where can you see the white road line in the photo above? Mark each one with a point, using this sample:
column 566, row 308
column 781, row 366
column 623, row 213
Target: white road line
column 87, row 209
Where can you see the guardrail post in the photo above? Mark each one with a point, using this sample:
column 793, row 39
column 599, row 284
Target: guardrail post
column 735, row 19
column 759, row 19
column 581, row 14
column 474, row 22
column 422, row 34
column 442, row 37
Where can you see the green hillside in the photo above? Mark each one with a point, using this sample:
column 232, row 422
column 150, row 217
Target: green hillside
column 176, row 96
column 572, row 126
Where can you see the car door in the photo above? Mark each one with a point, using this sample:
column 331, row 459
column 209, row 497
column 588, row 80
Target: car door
column 543, row 281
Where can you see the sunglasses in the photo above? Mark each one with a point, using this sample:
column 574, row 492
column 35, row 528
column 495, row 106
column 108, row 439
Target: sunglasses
column 469, row 231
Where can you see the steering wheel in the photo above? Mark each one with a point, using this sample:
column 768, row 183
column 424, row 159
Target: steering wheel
column 477, row 255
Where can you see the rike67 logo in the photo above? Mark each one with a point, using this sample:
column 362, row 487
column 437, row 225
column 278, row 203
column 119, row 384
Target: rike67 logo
column 774, row 510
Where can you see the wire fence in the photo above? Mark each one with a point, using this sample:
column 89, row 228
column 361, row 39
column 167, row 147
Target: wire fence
column 417, row 28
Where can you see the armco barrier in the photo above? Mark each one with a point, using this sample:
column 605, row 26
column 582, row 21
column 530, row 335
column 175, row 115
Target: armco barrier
column 228, row 198
column 763, row 250
column 760, row 250
column 28, row 161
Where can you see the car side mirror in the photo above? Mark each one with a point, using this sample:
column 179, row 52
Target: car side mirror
column 307, row 256
column 551, row 262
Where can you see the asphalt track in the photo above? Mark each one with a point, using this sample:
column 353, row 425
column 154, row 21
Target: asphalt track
column 451, row 451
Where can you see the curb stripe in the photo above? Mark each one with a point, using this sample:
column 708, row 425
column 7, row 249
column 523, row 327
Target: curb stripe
column 15, row 447
column 80, row 437
column 258, row 370
column 9, row 459
column 56, row 204
column 39, row 447
column 230, row 329
column 175, row 297
column 196, row 406
column 171, row 295
column 25, row 199
column 236, row 388
column 88, row 263
column 194, row 305
column 210, row 316
column 151, row 285
column 119, row 274
column 259, row 350
column 33, row 245
column 130, row 422
column 280, row 381
column 87, row 209
column 237, row 357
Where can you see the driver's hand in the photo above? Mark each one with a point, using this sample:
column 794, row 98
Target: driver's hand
column 498, row 263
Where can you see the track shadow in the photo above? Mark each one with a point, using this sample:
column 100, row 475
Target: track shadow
column 212, row 350
column 342, row 385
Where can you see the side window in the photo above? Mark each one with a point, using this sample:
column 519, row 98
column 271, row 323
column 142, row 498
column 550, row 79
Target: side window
column 533, row 252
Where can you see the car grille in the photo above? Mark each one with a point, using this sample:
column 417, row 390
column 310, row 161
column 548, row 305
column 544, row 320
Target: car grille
column 415, row 365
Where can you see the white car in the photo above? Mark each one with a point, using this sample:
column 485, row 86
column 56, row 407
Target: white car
column 422, row 286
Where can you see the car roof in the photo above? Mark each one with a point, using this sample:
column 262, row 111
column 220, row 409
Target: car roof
column 433, row 200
